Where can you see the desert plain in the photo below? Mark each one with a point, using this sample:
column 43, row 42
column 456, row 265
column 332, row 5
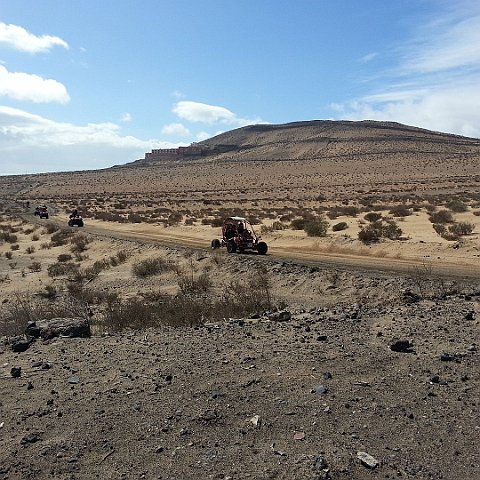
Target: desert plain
column 334, row 356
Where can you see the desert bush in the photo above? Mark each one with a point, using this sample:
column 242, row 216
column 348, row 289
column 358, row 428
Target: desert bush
column 191, row 284
column 15, row 315
column 64, row 257
column 174, row 218
column 79, row 243
column 30, row 249
column 60, row 237
column 35, row 267
column 316, row 227
column 457, row 206
column 347, row 211
column 15, row 246
column 442, row 216
column 190, row 221
column 62, row 268
column 50, row 227
column 9, row 255
column 35, row 237
column 374, row 231
column 372, row 217
column 45, row 246
column 298, row 224
column 134, row 218
column 461, row 228
column 400, row 211
column 477, row 213
column 152, row 266
column 340, row 226
column 8, row 237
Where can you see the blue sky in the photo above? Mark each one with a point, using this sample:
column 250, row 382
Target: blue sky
column 87, row 84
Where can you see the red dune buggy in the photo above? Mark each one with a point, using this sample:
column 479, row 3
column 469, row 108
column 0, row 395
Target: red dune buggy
column 238, row 235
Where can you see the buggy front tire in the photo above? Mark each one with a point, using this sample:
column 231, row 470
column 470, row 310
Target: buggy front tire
column 215, row 244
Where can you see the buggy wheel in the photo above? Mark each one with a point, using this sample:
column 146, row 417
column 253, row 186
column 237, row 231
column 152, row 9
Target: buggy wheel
column 80, row 223
column 231, row 246
column 262, row 248
column 215, row 244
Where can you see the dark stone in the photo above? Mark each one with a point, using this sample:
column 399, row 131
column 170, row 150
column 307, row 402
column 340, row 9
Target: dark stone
column 470, row 315
column 21, row 344
column 32, row 330
column 402, row 346
column 16, row 372
column 66, row 327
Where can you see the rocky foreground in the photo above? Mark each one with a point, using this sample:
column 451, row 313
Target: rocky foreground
column 352, row 391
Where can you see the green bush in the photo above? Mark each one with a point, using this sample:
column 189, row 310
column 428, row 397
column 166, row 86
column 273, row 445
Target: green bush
column 442, row 216
column 374, row 231
column 372, row 217
column 317, row 227
column 461, row 228
column 457, row 206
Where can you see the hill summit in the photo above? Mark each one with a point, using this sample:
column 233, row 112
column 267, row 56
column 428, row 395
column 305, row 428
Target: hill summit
column 319, row 139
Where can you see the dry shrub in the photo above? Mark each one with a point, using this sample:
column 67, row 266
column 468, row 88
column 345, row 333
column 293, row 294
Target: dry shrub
column 340, row 226
column 442, row 216
column 21, row 309
column 374, row 231
column 152, row 266
column 79, row 243
column 60, row 237
column 50, row 227
column 62, row 268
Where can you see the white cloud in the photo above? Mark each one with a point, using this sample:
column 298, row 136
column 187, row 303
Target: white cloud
column 126, row 117
column 28, row 87
column 368, row 58
column 436, row 82
column 203, row 136
column 22, row 40
column 32, row 143
column 176, row 129
column 203, row 113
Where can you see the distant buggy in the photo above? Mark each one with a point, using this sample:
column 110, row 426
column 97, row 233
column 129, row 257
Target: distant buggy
column 238, row 236
column 75, row 219
column 41, row 211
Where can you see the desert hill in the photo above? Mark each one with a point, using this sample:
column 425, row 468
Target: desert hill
column 326, row 139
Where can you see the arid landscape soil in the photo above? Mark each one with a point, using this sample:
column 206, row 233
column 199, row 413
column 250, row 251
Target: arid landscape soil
column 349, row 351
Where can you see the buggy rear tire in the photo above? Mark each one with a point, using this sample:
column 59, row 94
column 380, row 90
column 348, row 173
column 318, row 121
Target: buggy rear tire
column 215, row 244
column 262, row 248
column 231, row 246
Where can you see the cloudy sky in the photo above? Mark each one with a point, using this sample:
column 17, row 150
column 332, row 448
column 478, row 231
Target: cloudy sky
column 87, row 84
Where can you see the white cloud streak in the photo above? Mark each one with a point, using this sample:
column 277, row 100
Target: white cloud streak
column 203, row 113
column 38, row 144
column 176, row 129
column 436, row 82
column 33, row 88
column 24, row 41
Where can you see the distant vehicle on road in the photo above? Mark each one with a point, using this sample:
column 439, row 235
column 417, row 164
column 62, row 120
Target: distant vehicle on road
column 41, row 211
column 75, row 219
column 238, row 236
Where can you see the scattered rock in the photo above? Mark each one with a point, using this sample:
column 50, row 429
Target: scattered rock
column 21, row 344
column 65, row 327
column 16, row 372
column 402, row 346
column 320, row 390
column 73, row 380
column 470, row 315
column 367, row 460
column 31, row 438
column 283, row 316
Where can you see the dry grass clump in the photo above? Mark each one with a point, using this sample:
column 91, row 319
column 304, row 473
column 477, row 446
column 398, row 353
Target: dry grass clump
column 152, row 266
column 61, row 237
column 21, row 309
